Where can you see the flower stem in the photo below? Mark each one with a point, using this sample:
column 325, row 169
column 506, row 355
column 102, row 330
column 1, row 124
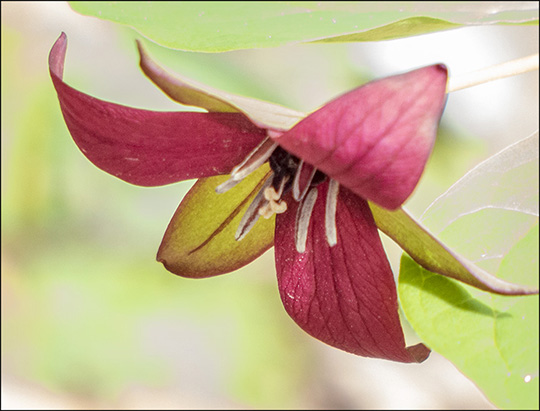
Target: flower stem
column 510, row 68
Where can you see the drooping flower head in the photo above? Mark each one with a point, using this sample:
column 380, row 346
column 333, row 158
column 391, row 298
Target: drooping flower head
column 309, row 177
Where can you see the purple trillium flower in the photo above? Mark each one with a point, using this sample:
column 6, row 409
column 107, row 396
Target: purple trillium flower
column 312, row 175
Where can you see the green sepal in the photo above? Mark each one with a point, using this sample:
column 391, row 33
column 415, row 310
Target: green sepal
column 431, row 253
column 200, row 239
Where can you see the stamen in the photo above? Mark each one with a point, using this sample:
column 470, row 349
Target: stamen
column 251, row 215
column 278, row 208
column 302, row 219
column 254, row 160
column 226, row 186
column 297, row 195
column 266, row 210
column 330, row 213
column 271, row 207
column 272, row 196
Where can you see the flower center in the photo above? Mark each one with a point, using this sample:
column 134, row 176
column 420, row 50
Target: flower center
column 286, row 166
column 288, row 173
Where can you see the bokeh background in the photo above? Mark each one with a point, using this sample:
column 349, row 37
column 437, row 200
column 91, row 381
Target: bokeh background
column 90, row 320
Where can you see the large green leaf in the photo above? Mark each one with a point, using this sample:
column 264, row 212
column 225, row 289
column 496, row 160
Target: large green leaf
column 491, row 217
column 223, row 26
column 507, row 181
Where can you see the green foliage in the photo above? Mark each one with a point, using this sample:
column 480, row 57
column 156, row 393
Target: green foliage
column 224, row 26
column 492, row 339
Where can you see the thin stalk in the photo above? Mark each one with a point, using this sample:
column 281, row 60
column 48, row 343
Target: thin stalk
column 510, row 68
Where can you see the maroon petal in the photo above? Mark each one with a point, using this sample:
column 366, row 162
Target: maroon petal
column 376, row 139
column 151, row 148
column 344, row 295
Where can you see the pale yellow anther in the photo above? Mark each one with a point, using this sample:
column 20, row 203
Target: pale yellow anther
column 272, row 207
column 270, row 194
column 266, row 211
column 278, row 208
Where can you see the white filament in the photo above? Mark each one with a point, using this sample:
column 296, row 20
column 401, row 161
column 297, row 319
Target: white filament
column 330, row 213
column 302, row 219
column 297, row 195
column 226, row 186
column 241, row 171
column 266, row 150
column 251, row 215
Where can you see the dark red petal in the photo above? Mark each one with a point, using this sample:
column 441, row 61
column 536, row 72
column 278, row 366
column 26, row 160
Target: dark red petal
column 344, row 295
column 376, row 139
column 151, row 148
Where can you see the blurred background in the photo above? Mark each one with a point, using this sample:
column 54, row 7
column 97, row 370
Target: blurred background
column 91, row 320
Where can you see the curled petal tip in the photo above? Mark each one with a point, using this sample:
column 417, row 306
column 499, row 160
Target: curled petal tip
column 442, row 67
column 151, row 148
column 140, row 48
column 419, row 352
column 57, row 56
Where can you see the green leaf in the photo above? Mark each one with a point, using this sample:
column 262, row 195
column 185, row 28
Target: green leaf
column 200, row 239
column 506, row 181
column 492, row 339
column 491, row 217
column 223, row 26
